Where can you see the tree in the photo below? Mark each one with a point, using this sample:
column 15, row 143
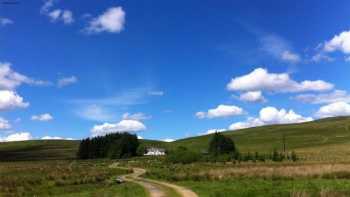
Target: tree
column 114, row 146
column 221, row 144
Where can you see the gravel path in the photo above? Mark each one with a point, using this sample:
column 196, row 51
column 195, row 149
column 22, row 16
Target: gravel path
column 155, row 188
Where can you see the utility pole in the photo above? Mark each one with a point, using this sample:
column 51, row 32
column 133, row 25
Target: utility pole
column 284, row 142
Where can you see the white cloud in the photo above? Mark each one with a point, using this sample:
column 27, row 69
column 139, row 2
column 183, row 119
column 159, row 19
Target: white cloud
column 22, row 136
column 261, row 80
column 290, row 57
column 156, row 93
column 67, row 17
column 55, row 138
column 65, row 81
column 332, row 97
column 211, row 131
column 64, row 15
column 334, row 109
column 112, row 21
column 321, row 57
column 279, row 48
column 269, row 116
column 11, row 100
column 42, row 117
column 47, row 6
column 55, row 14
column 221, row 111
column 139, row 137
column 122, row 126
column 168, row 140
column 136, row 116
column 252, row 96
column 9, row 79
column 250, row 122
column 340, row 42
column 5, row 21
column 4, row 124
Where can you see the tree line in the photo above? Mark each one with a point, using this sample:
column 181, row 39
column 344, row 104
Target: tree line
column 222, row 148
column 113, row 146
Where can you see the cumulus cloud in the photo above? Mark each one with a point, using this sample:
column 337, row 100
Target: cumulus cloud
column 112, row 21
column 122, row 126
column 261, row 80
column 221, row 111
column 65, row 81
column 252, row 96
column 4, row 124
column 5, row 21
column 42, row 117
column 340, row 42
column 269, row 116
column 326, row 98
column 250, row 122
column 334, row 109
column 136, row 116
column 21, row 136
column 11, row 100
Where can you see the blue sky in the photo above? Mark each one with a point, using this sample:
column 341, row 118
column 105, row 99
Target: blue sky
column 169, row 69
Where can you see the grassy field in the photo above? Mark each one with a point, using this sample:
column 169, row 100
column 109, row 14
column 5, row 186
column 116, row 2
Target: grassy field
column 270, row 188
column 321, row 140
column 63, row 178
column 49, row 168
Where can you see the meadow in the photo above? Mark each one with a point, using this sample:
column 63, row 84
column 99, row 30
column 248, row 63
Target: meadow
column 50, row 168
column 226, row 179
column 64, row 178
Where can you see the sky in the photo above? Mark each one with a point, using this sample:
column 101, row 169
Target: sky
column 168, row 70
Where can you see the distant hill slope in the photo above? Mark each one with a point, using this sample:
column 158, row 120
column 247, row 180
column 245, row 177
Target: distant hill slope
column 38, row 150
column 330, row 136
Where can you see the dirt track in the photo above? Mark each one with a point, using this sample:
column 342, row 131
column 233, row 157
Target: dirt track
column 156, row 188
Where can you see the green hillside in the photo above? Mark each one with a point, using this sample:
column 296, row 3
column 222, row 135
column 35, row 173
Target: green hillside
column 331, row 136
column 312, row 139
column 38, row 150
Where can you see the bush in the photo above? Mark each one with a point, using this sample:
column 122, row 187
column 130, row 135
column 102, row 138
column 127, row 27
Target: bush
column 183, row 155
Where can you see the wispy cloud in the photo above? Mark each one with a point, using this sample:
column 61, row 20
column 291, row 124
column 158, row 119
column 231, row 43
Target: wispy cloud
column 65, row 81
column 5, row 21
column 279, row 48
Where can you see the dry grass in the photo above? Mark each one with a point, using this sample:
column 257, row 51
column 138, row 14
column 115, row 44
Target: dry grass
column 285, row 171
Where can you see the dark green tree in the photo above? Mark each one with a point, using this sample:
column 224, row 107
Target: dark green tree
column 220, row 144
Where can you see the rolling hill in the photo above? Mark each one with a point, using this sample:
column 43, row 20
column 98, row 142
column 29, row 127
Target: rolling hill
column 312, row 139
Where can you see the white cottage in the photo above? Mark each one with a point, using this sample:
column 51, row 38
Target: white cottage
column 155, row 152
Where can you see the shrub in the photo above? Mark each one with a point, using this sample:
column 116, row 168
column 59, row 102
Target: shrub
column 183, row 155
